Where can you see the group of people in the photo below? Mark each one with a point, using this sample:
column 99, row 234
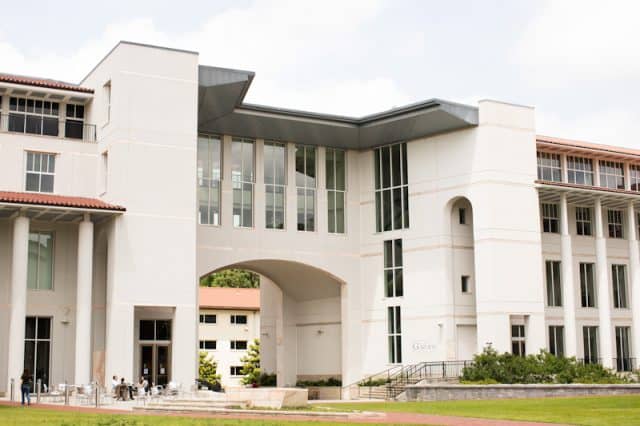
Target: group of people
column 124, row 391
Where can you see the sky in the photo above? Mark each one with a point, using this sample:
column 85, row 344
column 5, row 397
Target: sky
column 576, row 61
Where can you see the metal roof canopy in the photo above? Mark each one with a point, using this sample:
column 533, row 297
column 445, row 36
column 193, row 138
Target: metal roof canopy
column 221, row 110
column 551, row 193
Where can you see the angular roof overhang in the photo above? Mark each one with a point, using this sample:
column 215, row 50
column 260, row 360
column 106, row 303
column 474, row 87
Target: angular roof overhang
column 221, row 110
column 582, row 195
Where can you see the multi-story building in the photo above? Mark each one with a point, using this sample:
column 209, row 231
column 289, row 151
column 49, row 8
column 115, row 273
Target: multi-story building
column 421, row 233
column 229, row 324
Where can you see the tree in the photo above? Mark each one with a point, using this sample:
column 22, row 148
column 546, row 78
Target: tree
column 236, row 278
column 251, row 364
column 207, row 371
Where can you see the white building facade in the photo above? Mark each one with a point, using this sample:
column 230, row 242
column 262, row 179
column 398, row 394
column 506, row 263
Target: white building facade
column 423, row 233
column 229, row 323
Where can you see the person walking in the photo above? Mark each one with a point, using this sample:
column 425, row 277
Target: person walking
column 25, row 387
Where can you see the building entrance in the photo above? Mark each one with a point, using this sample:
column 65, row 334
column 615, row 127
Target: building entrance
column 155, row 351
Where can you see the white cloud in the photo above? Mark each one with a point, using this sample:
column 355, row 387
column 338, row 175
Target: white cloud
column 279, row 40
column 581, row 40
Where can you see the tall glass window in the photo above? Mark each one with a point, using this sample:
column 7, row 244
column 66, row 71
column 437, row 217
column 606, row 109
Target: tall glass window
column 556, row 340
column 306, row 187
column 518, row 340
column 583, row 220
column 37, row 348
column 550, row 218
column 590, row 344
column 394, row 329
column 275, row 178
column 242, row 180
column 614, row 220
column 335, row 166
column 619, row 280
column 392, row 189
column 554, row 287
column 40, row 264
column 580, row 170
column 634, row 177
column 623, row 362
column 209, row 177
column 33, row 116
column 549, row 167
column 41, row 171
column 587, row 286
column 611, row 175
column 393, row 268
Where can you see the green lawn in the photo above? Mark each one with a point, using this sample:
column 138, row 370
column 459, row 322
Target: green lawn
column 42, row 416
column 588, row 411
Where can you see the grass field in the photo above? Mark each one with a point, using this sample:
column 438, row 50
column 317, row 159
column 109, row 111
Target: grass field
column 588, row 411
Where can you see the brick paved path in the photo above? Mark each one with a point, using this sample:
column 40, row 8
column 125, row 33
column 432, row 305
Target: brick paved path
column 388, row 418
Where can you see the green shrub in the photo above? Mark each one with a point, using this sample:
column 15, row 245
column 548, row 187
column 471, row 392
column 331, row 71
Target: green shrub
column 332, row 381
column 267, row 379
column 374, row 382
column 207, row 369
column 489, row 366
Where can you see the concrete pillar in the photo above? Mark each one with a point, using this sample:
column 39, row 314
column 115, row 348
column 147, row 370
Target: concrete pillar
column 604, row 296
column 84, row 301
column 18, row 301
column 286, row 344
column 568, row 287
column 634, row 279
column 351, row 335
column 184, row 345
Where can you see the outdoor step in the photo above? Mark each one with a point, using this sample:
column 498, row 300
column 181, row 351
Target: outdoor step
column 205, row 404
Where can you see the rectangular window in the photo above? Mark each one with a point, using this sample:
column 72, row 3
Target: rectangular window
column 611, row 175
column 306, row 187
column 242, row 180
column 107, row 97
column 393, row 268
column 335, row 166
column 392, row 189
column 208, row 345
column 74, row 123
column 40, row 265
column 275, row 178
column 238, row 319
column 550, row 218
column 462, row 216
column 209, row 177
column 583, row 221
column 614, row 220
column 634, row 177
column 619, row 279
column 464, row 284
column 37, row 348
column 236, row 370
column 554, row 286
column 623, row 361
column 207, row 319
column 518, row 340
column 556, row 340
column 394, row 334
column 33, row 116
column 105, row 172
column 587, row 286
column 40, row 172
column 549, row 167
column 590, row 344
column 239, row 345
column 580, row 170
column 155, row 330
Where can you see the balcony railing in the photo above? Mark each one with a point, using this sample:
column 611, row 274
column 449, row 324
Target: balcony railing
column 48, row 126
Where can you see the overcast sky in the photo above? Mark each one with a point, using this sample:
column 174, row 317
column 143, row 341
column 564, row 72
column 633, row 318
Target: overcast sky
column 576, row 61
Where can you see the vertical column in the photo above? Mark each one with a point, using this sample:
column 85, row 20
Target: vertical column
column 322, row 224
column 291, row 209
column 18, row 307
column 226, row 201
column 602, row 282
column 84, row 301
column 184, row 345
column 634, row 279
column 568, row 287
column 259, row 204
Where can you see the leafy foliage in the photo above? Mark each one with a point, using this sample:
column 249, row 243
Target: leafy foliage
column 331, row 381
column 207, row 370
column 251, row 364
column 492, row 367
column 236, row 278
column 267, row 379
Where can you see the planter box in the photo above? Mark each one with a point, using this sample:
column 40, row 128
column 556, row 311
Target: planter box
column 443, row 392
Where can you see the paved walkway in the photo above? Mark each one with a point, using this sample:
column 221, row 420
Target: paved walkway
column 388, row 418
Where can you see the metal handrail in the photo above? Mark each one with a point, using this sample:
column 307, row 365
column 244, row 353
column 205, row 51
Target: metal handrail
column 18, row 122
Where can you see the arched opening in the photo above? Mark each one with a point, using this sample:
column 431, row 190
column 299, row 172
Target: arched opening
column 463, row 277
column 299, row 320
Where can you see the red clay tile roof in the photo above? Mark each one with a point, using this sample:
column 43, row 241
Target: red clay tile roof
column 43, row 82
column 56, row 200
column 230, row 298
column 610, row 149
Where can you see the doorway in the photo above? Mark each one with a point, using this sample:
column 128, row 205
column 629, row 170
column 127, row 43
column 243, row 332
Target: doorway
column 155, row 351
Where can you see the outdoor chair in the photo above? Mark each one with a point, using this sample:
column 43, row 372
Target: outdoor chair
column 85, row 394
column 172, row 390
column 156, row 392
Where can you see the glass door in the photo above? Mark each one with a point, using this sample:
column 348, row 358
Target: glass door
column 37, row 347
column 162, row 364
column 146, row 363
